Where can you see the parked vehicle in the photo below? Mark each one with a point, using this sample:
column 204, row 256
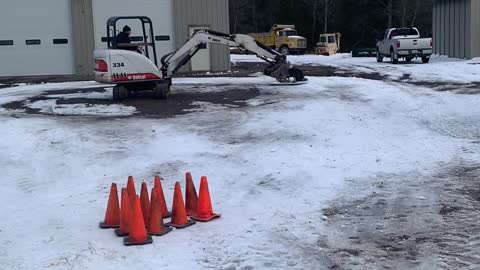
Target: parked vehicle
column 283, row 38
column 364, row 49
column 329, row 44
column 404, row 43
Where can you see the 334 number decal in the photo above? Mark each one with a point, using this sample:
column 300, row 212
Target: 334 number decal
column 120, row 64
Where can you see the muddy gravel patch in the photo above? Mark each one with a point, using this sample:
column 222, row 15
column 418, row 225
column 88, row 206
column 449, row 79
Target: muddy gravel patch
column 409, row 222
column 184, row 99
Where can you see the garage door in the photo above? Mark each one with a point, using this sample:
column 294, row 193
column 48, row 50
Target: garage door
column 160, row 11
column 36, row 38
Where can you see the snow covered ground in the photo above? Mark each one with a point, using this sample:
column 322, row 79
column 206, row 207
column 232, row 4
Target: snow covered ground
column 281, row 170
column 440, row 68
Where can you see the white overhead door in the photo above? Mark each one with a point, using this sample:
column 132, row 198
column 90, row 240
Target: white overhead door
column 159, row 11
column 36, row 38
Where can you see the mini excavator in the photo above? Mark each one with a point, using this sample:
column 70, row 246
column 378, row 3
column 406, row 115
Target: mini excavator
column 133, row 71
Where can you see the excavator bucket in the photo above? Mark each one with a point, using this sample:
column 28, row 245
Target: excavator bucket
column 297, row 74
column 285, row 75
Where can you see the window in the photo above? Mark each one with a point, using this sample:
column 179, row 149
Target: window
column 323, row 39
column 6, row 42
column 162, row 38
column 136, row 38
column 331, row 39
column 403, row 32
column 290, row 33
column 406, row 32
column 33, row 42
column 393, row 34
column 132, row 38
column 60, row 41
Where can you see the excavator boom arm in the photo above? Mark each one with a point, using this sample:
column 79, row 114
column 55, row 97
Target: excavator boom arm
column 278, row 67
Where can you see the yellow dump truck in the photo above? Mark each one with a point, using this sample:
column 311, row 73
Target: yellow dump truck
column 283, row 38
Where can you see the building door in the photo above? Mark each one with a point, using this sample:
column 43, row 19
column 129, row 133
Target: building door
column 201, row 60
column 36, row 38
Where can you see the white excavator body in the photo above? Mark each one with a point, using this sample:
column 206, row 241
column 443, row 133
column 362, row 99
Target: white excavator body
column 116, row 66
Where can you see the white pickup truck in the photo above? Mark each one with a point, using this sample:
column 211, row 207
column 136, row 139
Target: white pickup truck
column 403, row 43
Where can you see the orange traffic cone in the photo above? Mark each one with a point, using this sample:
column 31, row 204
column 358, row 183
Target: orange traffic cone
column 191, row 199
column 179, row 215
column 137, row 234
column 126, row 213
column 204, row 210
column 161, row 198
column 156, row 226
column 145, row 203
column 131, row 189
column 112, row 215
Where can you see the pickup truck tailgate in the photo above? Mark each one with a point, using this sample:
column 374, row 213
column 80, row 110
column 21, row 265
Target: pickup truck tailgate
column 414, row 43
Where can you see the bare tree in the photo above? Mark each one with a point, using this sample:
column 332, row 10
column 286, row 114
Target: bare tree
column 388, row 6
column 403, row 12
column 326, row 16
column 237, row 8
column 254, row 13
column 314, row 25
column 326, row 6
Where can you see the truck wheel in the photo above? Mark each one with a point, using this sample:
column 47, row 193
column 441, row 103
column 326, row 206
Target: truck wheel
column 120, row 92
column 408, row 59
column 379, row 57
column 285, row 50
column 162, row 91
column 425, row 60
column 392, row 58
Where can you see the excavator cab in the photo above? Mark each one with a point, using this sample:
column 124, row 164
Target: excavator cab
column 147, row 40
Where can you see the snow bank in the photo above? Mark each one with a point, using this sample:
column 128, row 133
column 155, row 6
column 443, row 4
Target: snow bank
column 440, row 68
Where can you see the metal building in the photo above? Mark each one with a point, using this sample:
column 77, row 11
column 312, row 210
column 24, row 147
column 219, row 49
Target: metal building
column 456, row 28
column 57, row 37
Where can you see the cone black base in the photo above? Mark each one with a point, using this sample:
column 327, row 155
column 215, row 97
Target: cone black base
column 103, row 226
column 127, row 242
column 120, row 234
column 189, row 223
column 212, row 217
column 167, row 230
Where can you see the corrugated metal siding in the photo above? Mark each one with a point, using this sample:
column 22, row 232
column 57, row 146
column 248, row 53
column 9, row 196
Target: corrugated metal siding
column 456, row 26
column 456, row 30
column 83, row 36
column 211, row 13
column 451, row 27
column 462, row 22
column 468, row 30
column 436, row 23
column 475, row 28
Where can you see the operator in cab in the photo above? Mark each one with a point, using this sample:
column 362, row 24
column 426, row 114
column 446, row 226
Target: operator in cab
column 123, row 40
